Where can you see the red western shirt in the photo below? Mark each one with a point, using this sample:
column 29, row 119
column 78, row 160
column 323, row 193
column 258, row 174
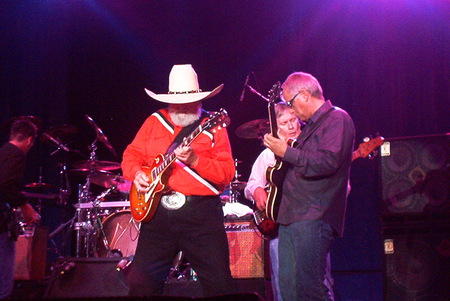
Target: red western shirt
column 214, row 170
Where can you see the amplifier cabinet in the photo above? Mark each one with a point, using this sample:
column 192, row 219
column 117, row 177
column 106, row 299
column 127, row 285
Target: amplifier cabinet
column 31, row 253
column 246, row 249
column 417, row 262
column 414, row 175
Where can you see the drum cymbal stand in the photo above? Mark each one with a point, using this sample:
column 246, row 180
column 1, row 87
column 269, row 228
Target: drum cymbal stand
column 98, row 224
column 83, row 224
column 234, row 193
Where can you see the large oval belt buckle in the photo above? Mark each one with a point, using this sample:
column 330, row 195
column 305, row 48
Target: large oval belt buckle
column 173, row 201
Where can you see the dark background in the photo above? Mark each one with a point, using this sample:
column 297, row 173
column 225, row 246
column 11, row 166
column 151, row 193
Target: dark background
column 386, row 62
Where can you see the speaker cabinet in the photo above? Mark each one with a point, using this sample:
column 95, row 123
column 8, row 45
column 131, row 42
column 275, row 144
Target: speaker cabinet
column 246, row 249
column 87, row 278
column 417, row 262
column 31, row 253
column 414, row 175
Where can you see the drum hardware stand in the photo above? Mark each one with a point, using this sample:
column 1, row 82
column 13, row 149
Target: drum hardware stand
column 57, row 231
column 63, row 193
column 83, row 224
column 96, row 205
column 234, row 193
column 181, row 270
column 64, row 189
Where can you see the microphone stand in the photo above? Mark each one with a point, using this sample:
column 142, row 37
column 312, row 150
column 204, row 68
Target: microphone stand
column 257, row 93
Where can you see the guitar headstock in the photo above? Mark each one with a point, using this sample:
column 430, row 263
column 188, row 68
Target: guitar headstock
column 275, row 92
column 368, row 147
column 218, row 119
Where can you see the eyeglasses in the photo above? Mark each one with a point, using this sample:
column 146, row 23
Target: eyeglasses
column 289, row 103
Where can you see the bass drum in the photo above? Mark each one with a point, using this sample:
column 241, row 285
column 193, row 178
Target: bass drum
column 121, row 233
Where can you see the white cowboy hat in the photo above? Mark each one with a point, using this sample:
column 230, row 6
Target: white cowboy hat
column 183, row 87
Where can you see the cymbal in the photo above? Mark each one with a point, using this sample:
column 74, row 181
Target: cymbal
column 88, row 165
column 236, row 185
column 101, row 136
column 254, row 129
column 106, row 178
column 61, row 131
column 44, row 196
column 39, row 185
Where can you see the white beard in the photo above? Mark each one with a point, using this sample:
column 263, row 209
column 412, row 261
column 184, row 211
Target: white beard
column 184, row 119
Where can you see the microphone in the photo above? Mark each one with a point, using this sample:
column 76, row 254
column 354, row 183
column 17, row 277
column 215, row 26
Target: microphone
column 59, row 144
column 245, row 85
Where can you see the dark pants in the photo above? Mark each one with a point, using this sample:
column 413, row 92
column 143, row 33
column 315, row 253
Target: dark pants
column 304, row 247
column 197, row 229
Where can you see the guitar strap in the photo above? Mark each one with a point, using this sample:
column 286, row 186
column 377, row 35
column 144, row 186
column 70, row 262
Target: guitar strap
column 184, row 132
column 179, row 138
column 314, row 127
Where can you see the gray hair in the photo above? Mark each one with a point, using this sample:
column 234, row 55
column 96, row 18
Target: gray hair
column 298, row 81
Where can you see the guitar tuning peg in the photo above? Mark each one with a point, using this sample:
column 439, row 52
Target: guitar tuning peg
column 366, row 139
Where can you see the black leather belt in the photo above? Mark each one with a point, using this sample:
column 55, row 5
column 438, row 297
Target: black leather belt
column 190, row 198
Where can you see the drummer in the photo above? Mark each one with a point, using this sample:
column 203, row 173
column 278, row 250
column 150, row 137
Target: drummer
column 23, row 133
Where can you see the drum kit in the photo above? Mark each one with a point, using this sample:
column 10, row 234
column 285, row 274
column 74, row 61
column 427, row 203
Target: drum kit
column 106, row 228
column 103, row 228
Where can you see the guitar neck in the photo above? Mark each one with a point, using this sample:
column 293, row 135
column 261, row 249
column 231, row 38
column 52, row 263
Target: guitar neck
column 170, row 158
column 273, row 119
column 355, row 155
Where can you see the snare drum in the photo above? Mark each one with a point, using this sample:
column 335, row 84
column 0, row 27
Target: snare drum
column 122, row 233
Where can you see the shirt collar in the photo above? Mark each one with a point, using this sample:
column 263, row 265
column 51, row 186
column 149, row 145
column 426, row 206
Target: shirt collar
column 322, row 110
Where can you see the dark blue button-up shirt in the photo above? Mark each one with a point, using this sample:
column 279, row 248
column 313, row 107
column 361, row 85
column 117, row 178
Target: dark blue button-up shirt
column 316, row 183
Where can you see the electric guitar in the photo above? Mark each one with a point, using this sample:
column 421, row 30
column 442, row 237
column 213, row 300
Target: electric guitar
column 365, row 148
column 275, row 174
column 144, row 205
column 266, row 226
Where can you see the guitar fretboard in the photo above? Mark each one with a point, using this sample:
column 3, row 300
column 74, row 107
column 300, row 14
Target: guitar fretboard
column 169, row 158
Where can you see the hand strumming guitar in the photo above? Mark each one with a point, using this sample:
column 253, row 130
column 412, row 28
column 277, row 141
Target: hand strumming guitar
column 141, row 181
column 260, row 197
column 187, row 155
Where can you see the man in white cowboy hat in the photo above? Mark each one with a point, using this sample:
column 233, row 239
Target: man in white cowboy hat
column 189, row 216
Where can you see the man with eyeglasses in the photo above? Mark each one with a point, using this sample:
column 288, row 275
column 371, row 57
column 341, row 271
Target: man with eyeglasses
column 314, row 198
